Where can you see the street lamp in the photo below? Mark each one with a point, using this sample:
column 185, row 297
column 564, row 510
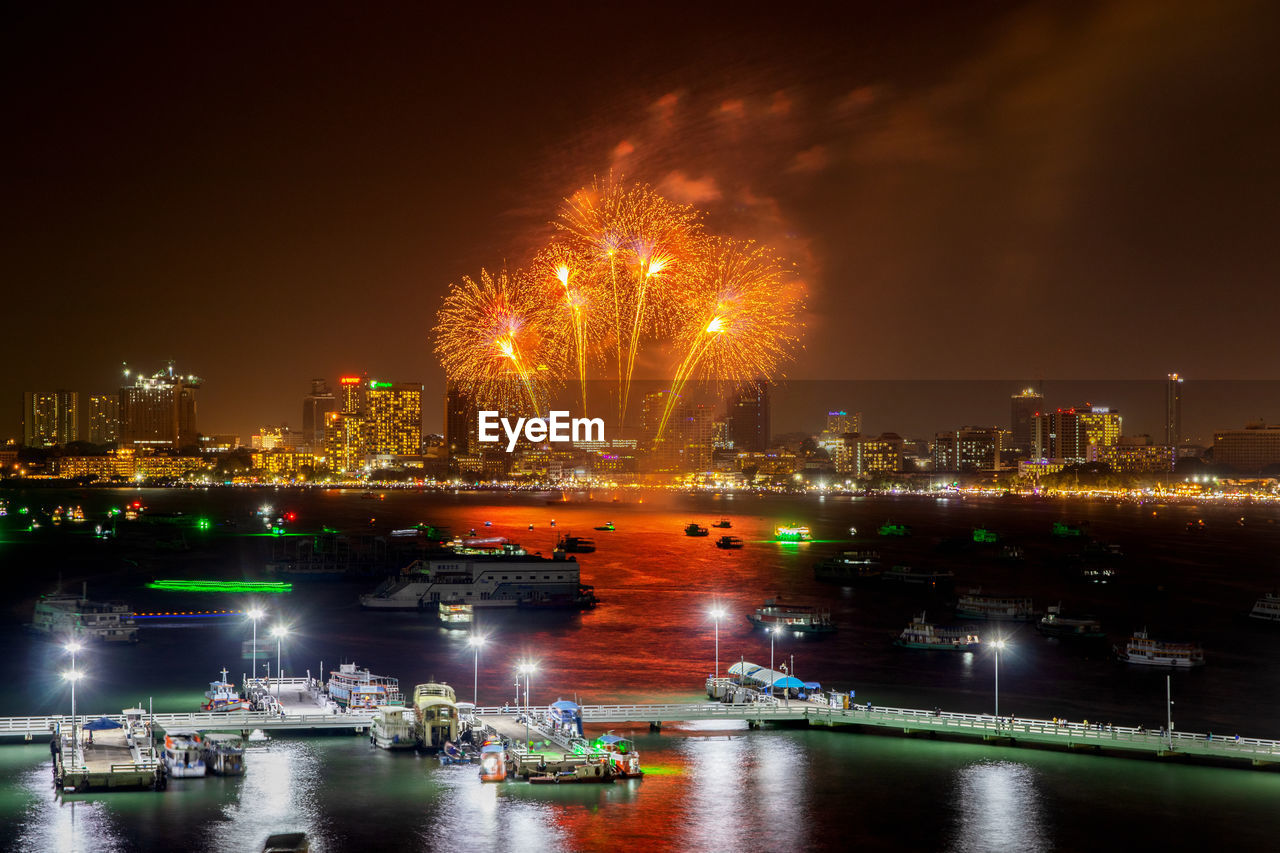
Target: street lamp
column 999, row 645
column 526, row 669
column 773, row 632
column 279, row 633
column 475, row 641
column 255, row 614
column 717, row 613
column 73, row 676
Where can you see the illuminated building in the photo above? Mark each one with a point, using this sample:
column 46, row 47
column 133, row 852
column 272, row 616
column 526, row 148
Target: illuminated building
column 880, row 455
column 1128, row 458
column 1025, row 405
column 664, row 453
column 285, row 462
column 345, row 442
column 315, row 406
column 219, row 443
column 277, row 438
column 969, row 449
column 748, row 417
column 840, row 424
column 102, row 418
column 351, row 394
column 1173, row 410
column 1248, row 450
column 1075, row 435
column 461, row 422
column 159, row 467
column 159, row 411
column 698, row 432
column 111, row 467
column 394, row 418
column 50, row 417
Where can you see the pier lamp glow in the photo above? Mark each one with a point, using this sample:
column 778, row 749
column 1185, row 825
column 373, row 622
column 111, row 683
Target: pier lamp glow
column 254, row 615
column 717, row 613
column 279, row 632
column 475, row 641
column 526, row 669
column 773, row 632
column 73, row 676
column 999, row 647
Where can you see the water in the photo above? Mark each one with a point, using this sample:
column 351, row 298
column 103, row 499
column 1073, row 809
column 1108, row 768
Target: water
column 651, row 640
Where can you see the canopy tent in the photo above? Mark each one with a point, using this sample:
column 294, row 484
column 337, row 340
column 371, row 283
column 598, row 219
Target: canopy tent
column 760, row 676
column 812, row 685
column 102, row 723
column 615, row 740
column 566, row 713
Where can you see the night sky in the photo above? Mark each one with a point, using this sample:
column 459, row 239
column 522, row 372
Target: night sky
column 972, row 191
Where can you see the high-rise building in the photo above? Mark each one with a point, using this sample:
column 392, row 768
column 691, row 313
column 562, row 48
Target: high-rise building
column 1248, row 450
column 394, row 416
column 50, row 417
column 1075, row 435
column 832, row 439
column 1026, row 404
column 698, row 438
column 344, row 442
column 159, row 411
column 103, row 418
column 872, row 456
column 1173, row 410
column 969, row 449
column 351, row 394
column 315, row 406
column 461, row 421
column 748, row 417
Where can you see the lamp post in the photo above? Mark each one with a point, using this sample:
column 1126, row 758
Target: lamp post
column 279, row 633
column 73, row 676
column 773, row 632
column 717, row 613
column 254, row 615
column 999, row 645
column 475, row 641
column 526, row 669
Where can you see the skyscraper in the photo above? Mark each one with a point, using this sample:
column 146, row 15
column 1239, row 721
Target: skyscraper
column 103, row 418
column 1076, row 434
column 1026, row 404
column 315, row 406
column 748, row 416
column 1173, row 410
column 159, row 411
column 394, row 414
column 460, row 421
column 351, row 394
column 50, row 417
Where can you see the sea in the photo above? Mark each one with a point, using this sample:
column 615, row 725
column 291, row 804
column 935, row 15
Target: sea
column 1180, row 570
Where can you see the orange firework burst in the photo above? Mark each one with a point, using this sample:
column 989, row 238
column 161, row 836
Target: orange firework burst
column 741, row 317
column 574, row 303
column 634, row 248
column 492, row 339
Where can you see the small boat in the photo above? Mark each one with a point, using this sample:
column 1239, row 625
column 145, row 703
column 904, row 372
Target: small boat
column 436, row 707
column 488, row 524
column 591, row 772
column 921, row 634
column 1267, row 608
column 451, row 754
column 977, row 605
column 1141, row 649
column 454, row 613
column 287, row 842
column 530, row 526
column 393, row 727
column 849, row 567
column 182, row 758
column 1054, row 624
column 728, row 542
column 1011, row 553
column 799, row 620
column 1097, row 575
column 723, row 523
column 985, row 536
column 223, row 754
column 222, row 697
column 608, row 525
column 575, row 545
column 907, row 576
column 890, row 528
column 553, row 522
column 695, row 529
column 493, row 761
column 792, row 533
column 1062, row 530
column 623, row 758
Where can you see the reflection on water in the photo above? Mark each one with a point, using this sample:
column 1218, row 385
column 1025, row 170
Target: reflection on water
column 74, row 825
column 269, row 798
column 997, row 806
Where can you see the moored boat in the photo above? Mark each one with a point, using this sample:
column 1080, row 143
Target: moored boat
column 977, row 605
column 493, row 761
column 393, row 727
column 1267, row 608
column 1055, row 624
column 67, row 615
column 453, row 614
column 623, row 758
column 799, row 620
column 723, row 523
column 575, row 545
column 695, row 529
column 922, row 634
column 223, row 754
column 792, row 533
column 728, row 542
column 590, row 772
column 607, row 526
column 182, row 758
column 222, row 697
column 906, row 576
column 1142, row 649
column 849, row 567
column 357, row 688
column 436, row 708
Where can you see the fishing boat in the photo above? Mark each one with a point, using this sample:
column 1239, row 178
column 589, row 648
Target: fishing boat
column 792, row 533
column 223, row 754
column 451, row 754
column 695, row 529
column 849, row 567
column 623, row 759
column 393, row 727
column 222, row 697
column 1267, row 608
column 435, row 706
column 1054, row 624
column 906, row 576
column 453, row 614
column 977, row 605
column 355, row 688
column 985, row 536
column 799, row 620
column 728, row 542
column 608, row 526
column 1141, row 649
column 723, row 524
column 590, row 772
column 922, row 634
column 182, row 758
column 65, row 615
column 493, row 761
column 575, row 545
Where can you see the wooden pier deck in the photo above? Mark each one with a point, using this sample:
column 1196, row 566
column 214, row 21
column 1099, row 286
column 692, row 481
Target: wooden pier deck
column 111, row 761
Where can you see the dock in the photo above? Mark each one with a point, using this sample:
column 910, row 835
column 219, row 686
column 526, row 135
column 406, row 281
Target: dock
column 112, row 759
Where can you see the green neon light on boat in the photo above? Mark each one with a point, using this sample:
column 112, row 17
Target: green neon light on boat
column 273, row 587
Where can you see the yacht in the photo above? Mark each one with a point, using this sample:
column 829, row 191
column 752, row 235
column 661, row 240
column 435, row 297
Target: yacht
column 1054, row 624
column 1267, row 608
column 64, row 615
column 794, row 619
column 436, row 709
column 393, row 727
column 485, row 578
column 922, row 634
column 182, row 753
column 358, row 688
column 223, row 754
column 976, row 605
column 1141, row 649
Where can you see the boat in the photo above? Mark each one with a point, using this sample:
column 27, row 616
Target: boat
column 1062, row 530
column 393, row 727
column 1141, row 649
column 890, row 528
column 1267, row 608
column 223, row 754
column 794, row 619
column 222, row 697
column 849, row 567
column 695, row 529
column 435, row 708
column 590, row 772
column 182, row 758
column 792, row 533
column 723, row 524
column 451, row 754
column 1054, row 624
column 287, row 842
column 507, row 576
column 985, row 536
column 907, row 576
column 1097, row 575
column 608, row 525
column 623, row 759
column 575, row 545
column 1011, row 553
column 354, row 688
column 728, row 542
column 65, row 615
column 921, row 634
column 456, row 614
column 977, row 605
column 493, row 761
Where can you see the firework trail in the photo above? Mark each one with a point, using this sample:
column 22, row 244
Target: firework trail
column 575, row 301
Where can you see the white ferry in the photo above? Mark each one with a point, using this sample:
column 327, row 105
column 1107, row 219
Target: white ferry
column 1267, row 608
column 507, row 576
column 436, row 707
column 182, row 754
column 1142, row 649
column 64, row 615
column 976, row 605
column 922, row 634
column 358, row 688
column 393, row 727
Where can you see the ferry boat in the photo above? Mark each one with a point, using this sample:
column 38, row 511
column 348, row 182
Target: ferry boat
column 63, row 615
column 976, row 605
column 1054, row 624
column 393, row 727
column 792, row 533
column 623, row 759
column 1141, row 649
column 849, row 567
column 182, row 758
column 485, row 578
column 728, row 542
column 792, row 619
column 460, row 615
column 723, row 523
column 575, row 545
column 695, row 529
column 435, row 707
column 909, row 577
column 493, row 761
column 921, row 634
column 222, row 696
column 607, row 526
column 360, row 689
column 223, row 754
column 1267, row 608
